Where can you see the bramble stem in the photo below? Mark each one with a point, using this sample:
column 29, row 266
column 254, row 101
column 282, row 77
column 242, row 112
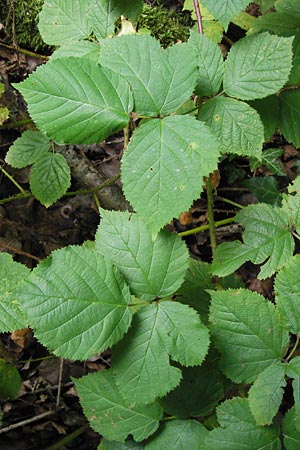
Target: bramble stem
column 217, row 224
column 230, row 202
column 211, row 219
column 198, row 15
column 293, row 349
column 13, row 181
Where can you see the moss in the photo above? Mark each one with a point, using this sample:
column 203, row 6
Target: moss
column 166, row 25
column 26, row 19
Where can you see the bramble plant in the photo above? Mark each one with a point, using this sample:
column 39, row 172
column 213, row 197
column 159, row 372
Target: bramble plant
column 180, row 342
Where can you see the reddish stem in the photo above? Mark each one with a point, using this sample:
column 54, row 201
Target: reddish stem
column 198, row 15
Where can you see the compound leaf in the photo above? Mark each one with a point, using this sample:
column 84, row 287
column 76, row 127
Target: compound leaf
column 258, row 66
column 210, row 63
column 265, row 395
column 75, row 100
column 27, row 149
column 11, row 274
column 290, row 115
column 287, row 289
column 162, row 181
column 179, row 434
column 141, row 360
column 243, row 319
column 237, row 126
column 76, row 302
column 108, row 412
column 50, row 178
column 224, row 11
column 61, row 21
column 161, row 80
column 239, row 430
column 152, row 267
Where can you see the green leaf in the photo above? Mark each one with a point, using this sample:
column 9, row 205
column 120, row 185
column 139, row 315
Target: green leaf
column 294, row 78
column 76, row 302
column 291, row 204
column 4, row 114
column 267, row 240
column 83, row 49
column 235, row 326
column 239, row 431
column 268, row 109
column 27, row 149
column 108, row 412
column 178, row 435
column 258, row 66
column 265, row 188
column 113, row 445
column 212, row 28
column 290, row 115
column 210, row 63
column 278, row 23
column 75, row 100
column 10, row 381
column 270, row 159
column 163, row 181
column 288, row 6
column 287, row 289
column 161, row 80
column 141, row 360
column 61, row 21
column 237, row 126
column 291, row 434
column 11, row 274
column 226, row 10
column 293, row 368
column 265, row 395
column 50, row 178
column 104, row 13
column 152, row 267
column 194, row 396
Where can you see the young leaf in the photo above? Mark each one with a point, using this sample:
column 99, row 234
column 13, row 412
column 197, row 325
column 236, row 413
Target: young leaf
column 109, row 414
column 291, row 434
column 152, row 267
column 210, row 62
column 258, row 66
column 265, row 395
column 50, row 178
column 178, row 435
column 141, row 360
column 10, row 381
column 235, row 326
column 290, row 115
column 27, row 149
column 287, row 289
column 161, row 80
column 11, row 274
column 61, row 21
column 225, row 11
column 238, row 429
column 268, row 109
column 75, row 100
column 76, row 302
column 267, row 239
column 237, row 126
column 162, row 181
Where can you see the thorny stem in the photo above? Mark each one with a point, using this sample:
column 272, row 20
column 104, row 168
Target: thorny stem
column 13, row 181
column 217, row 224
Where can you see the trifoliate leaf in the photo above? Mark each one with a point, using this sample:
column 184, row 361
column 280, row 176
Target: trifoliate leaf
column 152, row 267
column 83, row 49
column 11, row 274
column 226, row 10
column 291, row 434
column 265, row 395
column 267, row 239
column 237, row 126
column 27, row 149
column 163, row 181
column 265, row 188
column 268, row 109
column 239, row 431
column 287, row 289
column 76, row 302
column 291, row 204
column 178, row 435
column 290, row 115
column 210, row 63
column 161, row 80
column 258, row 66
column 109, row 414
column 113, row 445
column 10, row 381
column 243, row 319
column 61, row 21
column 141, row 360
column 92, row 104
column 50, row 178
column 194, row 396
